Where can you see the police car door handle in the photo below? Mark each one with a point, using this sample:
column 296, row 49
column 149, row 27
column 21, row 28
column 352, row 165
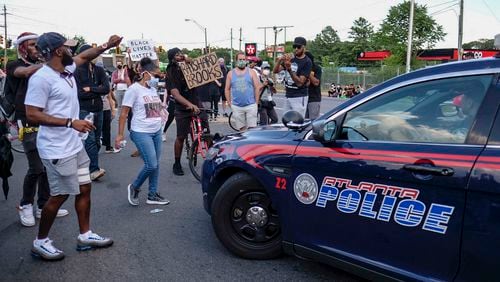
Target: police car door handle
column 436, row 170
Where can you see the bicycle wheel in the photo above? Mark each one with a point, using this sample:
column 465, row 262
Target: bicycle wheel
column 13, row 137
column 198, row 155
column 232, row 123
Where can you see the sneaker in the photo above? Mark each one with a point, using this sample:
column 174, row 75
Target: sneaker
column 60, row 213
column 97, row 174
column 157, row 200
column 133, row 195
column 46, row 250
column 92, row 240
column 112, row 150
column 26, row 215
column 177, row 169
column 164, row 137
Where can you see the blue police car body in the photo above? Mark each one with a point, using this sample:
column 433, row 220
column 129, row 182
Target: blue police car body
column 400, row 182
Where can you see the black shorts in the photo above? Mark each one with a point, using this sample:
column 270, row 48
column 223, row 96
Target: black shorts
column 183, row 122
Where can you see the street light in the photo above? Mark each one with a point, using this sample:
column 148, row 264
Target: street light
column 202, row 28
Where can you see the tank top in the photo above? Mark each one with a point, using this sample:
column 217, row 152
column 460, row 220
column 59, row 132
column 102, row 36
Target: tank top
column 242, row 91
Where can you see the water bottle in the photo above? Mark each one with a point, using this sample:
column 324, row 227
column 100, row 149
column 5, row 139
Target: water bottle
column 123, row 143
column 89, row 117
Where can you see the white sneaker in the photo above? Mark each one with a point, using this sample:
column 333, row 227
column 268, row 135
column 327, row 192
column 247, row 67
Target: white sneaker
column 46, row 250
column 26, row 215
column 60, row 213
column 113, row 151
column 92, row 240
column 164, row 137
column 97, row 174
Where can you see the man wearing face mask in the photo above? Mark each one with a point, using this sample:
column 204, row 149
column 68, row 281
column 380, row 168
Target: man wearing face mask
column 16, row 85
column 92, row 83
column 242, row 93
column 186, row 103
column 52, row 102
column 121, row 80
column 266, row 107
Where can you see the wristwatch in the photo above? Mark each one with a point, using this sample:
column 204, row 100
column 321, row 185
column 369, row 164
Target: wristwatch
column 69, row 123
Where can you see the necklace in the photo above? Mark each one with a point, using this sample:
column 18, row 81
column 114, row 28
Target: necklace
column 66, row 75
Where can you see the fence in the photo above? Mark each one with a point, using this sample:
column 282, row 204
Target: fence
column 366, row 77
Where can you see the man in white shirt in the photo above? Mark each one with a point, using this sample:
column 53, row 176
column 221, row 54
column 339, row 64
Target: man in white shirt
column 52, row 103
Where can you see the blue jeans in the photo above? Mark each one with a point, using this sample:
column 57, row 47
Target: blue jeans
column 93, row 141
column 149, row 146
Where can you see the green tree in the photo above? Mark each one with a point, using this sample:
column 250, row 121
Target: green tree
column 393, row 32
column 81, row 40
column 326, row 43
column 482, row 43
column 361, row 33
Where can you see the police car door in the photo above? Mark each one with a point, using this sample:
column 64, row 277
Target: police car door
column 390, row 190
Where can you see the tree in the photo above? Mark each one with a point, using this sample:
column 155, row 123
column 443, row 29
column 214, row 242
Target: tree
column 81, row 40
column 326, row 43
column 482, row 43
column 393, row 32
column 361, row 33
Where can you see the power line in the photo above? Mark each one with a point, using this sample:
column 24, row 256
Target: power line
column 491, row 11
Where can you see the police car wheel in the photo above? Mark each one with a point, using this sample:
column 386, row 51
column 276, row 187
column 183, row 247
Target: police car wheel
column 244, row 219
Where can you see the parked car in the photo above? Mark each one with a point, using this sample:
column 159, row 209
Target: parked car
column 399, row 182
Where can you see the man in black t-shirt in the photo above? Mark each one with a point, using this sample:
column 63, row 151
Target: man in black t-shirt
column 296, row 69
column 314, row 101
column 16, row 85
column 186, row 103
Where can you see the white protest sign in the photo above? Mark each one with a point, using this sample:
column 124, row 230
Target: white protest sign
column 141, row 48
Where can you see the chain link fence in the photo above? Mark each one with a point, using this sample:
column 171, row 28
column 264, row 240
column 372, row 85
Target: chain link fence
column 366, row 77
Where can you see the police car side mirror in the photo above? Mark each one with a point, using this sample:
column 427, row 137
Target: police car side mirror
column 324, row 131
column 294, row 120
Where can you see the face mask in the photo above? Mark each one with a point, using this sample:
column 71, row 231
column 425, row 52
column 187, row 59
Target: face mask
column 266, row 72
column 241, row 64
column 119, row 67
column 153, row 82
column 67, row 59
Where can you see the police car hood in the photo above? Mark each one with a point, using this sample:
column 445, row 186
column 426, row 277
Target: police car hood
column 261, row 133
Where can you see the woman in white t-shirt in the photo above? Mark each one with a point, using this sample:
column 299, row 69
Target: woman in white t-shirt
column 145, row 131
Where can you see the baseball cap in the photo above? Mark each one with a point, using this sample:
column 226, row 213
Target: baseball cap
column 265, row 65
column 299, row 41
column 50, row 41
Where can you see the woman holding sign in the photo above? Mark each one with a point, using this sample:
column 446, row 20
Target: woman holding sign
column 142, row 99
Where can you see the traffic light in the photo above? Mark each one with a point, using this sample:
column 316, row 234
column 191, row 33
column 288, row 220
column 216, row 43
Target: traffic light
column 118, row 50
column 1, row 39
column 9, row 43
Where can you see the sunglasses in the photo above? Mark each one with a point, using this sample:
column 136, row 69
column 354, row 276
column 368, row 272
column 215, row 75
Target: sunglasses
column 297, row 46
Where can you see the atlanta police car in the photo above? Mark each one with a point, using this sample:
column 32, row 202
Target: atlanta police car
column 400, row 182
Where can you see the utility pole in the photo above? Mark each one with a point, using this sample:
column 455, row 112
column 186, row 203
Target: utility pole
column 410, row 36
column 460, row 30
column 5, row 38
column 240, row 39
column 231, row 51
column 265, row 34
column 275, row 28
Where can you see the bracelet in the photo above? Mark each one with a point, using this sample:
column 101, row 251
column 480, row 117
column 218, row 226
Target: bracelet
column 69, row 123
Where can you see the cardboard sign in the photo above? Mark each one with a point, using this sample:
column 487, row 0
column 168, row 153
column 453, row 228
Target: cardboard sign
column 201, row 70
column 141, row 48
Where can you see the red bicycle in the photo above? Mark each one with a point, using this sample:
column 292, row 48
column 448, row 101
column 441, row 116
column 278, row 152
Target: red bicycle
column 197, row 144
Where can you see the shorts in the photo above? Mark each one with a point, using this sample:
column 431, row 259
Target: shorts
column 67, row 174
column 245, row 116
column 298, row 104
column 183, row 123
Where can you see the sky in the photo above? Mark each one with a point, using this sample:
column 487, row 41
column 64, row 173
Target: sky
column 164, row 21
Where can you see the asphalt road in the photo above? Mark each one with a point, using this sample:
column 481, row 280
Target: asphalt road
column 175, row 244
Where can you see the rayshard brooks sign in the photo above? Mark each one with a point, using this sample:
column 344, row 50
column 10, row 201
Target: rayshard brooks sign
column 201, row 70
column 141, row 48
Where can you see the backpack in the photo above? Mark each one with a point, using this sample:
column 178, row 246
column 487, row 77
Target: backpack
column 6, row 158
column 7, row 101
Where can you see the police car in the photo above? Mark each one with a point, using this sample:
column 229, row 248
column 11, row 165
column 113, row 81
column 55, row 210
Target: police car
column 401, row 182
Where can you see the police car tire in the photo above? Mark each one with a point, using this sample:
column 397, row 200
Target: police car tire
column 221, row 220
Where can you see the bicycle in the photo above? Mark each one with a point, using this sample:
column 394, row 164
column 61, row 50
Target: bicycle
column 197, row 145
column 12, row 133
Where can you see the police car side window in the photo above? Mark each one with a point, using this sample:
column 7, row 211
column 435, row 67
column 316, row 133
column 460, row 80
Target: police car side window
column 438, row 111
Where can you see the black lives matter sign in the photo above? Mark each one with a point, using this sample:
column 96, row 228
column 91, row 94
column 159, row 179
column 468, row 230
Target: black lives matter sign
column 201, row 70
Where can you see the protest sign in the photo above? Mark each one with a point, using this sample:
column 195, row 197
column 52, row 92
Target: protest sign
column 141, row 48
column 201, row 70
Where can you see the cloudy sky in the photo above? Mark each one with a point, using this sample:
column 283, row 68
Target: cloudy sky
column 164, row 22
